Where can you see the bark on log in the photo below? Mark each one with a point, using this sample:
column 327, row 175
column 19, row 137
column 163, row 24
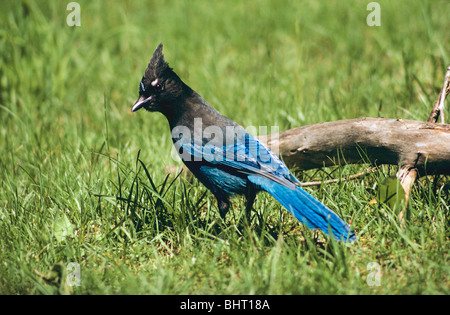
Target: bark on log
column 411, row 144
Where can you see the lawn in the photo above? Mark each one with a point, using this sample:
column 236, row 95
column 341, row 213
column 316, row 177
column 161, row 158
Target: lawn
column 91, row 197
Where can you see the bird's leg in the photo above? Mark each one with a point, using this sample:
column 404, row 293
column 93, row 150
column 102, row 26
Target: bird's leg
column 250, row 196
column 224, row 206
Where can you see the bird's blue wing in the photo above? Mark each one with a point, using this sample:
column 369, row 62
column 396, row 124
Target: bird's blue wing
column 247, row 156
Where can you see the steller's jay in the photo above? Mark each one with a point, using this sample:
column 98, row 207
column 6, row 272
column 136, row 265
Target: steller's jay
column 223, row 156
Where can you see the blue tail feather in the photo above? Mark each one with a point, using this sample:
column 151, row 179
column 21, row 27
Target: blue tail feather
column 306, row 209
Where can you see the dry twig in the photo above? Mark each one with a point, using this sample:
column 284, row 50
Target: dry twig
column 438, row 108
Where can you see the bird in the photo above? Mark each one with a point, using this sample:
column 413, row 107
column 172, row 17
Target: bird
column 224, row 156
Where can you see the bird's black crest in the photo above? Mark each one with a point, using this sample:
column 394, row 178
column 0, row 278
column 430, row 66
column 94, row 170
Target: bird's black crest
column 157, row 65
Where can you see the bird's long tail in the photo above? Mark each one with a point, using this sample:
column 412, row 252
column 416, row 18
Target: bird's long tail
column 307, row 209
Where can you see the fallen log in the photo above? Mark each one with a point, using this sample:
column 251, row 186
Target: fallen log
column 418, row 148
column 422, row 145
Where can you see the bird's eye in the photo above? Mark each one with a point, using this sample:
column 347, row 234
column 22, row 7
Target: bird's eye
column 156, row 85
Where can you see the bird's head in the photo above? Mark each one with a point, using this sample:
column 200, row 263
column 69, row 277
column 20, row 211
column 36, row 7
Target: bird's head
column 160, row 87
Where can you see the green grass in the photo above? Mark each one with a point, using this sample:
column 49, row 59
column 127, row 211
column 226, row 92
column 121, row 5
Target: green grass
column 83, row 180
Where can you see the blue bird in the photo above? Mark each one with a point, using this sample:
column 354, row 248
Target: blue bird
column 223, row 155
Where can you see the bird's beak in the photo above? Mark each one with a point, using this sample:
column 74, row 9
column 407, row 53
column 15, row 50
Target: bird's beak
column 140, row 103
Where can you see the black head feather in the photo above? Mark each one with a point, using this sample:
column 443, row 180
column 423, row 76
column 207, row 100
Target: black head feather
column 157, row 66
column 160, row 88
